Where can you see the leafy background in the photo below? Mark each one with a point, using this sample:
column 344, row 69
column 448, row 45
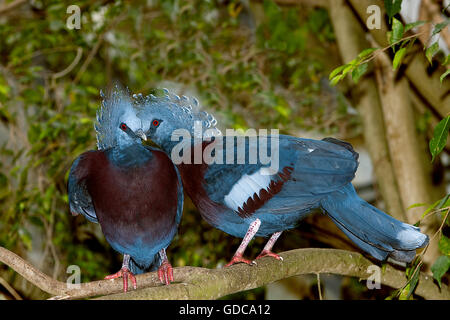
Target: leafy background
column 253, row 64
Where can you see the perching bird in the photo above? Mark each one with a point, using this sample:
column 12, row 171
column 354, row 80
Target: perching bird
column 243, row 198
column 133, row 191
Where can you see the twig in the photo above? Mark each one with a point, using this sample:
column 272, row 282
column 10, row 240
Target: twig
column 10, row 289
column 318, row 286
column 421, row 255
column 71, row 66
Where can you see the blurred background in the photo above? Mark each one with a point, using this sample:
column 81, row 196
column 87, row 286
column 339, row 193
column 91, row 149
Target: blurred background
column 253, row 64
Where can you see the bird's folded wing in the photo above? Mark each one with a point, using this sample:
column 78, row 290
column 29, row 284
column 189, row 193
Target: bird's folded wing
column 80, row 202
column 304, row 168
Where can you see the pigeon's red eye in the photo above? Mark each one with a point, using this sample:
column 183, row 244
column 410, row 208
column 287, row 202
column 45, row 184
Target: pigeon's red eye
column 123, row 126
column 155, row 123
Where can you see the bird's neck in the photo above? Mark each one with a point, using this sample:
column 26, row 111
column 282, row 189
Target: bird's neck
column 129, row 155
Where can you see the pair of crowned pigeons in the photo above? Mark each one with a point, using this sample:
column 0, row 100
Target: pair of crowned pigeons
column 135, row 192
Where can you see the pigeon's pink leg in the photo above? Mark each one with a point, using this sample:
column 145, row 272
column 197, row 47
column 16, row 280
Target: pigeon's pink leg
column 124, row 273
column 267, row 251
column 165, row 270
column 252, row 230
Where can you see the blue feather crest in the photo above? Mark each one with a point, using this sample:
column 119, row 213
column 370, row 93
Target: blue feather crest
column 184, row 110
column 114, row 108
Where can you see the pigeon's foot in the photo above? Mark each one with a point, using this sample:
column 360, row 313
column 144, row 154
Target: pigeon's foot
column 165, row 272
column 268, row 253
column 124, row 273
column 239, row 259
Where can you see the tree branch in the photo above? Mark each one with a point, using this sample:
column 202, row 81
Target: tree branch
column 202, row 283
column 10, row 6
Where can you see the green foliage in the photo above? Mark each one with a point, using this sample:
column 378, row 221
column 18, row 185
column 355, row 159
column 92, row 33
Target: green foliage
column 438, row 205
column 412, row 25
column 398, row 58
column 392, row 7
column 444, row 245
column 412, row 274
column 440, row 26
column 397, row 32
column 399, row 44
column 440, row 267
column 442, row 264
column 431, row 51
column 357, row 67
column 437, row 143
column 444, row 75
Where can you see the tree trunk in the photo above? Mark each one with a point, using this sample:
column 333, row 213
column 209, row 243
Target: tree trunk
column 351, row 41
column 410, row 166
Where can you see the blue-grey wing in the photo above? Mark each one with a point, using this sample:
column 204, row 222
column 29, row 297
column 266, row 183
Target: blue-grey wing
column 301, row 170
column 80, row 202
column 319, row 166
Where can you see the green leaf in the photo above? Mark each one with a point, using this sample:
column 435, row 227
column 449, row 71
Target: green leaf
column 413, row 283
column 444, row 75
column 444, row 202
column 336, row 71
column 392, row 7
column 437, row 143
column 439, row 27
column 347, row 69
column 389, row 36
column 446, row 60
column 398, row 58
column 416, row 205
column 403, row 294
column 429, row 209
column 440, row 267
column 397, row 31
column 411, row 25
column 366, row 52
column 431, row 51
column 336, row 79
column 359, row 71
column 444, row 245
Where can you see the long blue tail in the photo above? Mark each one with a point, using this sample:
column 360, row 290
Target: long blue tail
column 371, row 229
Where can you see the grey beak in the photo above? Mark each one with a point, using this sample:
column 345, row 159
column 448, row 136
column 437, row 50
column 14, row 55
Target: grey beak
column 140, row 133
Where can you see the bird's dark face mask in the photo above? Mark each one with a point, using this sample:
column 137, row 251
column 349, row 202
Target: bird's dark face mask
column 137, row 135
column 151, row 133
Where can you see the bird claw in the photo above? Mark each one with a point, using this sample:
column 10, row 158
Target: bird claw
column 165, row 273
column 239, row 259
column 124, row 273
column 267, row 253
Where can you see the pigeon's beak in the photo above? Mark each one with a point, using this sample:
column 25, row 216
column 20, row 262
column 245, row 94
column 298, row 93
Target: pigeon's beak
column 140, row 133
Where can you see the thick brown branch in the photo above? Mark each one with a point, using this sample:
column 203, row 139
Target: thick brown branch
column 216, row 283
column 201, row 283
